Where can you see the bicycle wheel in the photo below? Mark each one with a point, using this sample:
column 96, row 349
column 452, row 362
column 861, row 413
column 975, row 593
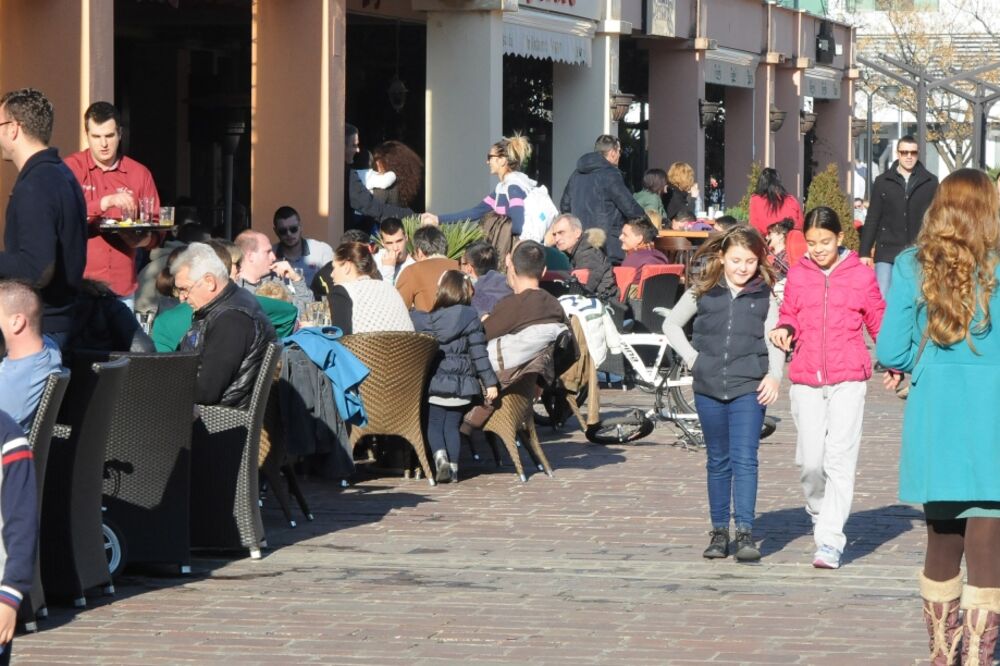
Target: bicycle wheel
column 629, row 428
column 683, row 396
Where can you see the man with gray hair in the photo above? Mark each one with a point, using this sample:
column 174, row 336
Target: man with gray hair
column 229, row 329
column 585, row 253
column 597, row 194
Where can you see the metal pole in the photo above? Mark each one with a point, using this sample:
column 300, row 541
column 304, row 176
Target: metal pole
column 871, row 150
column 978, row 135
column 921, row 119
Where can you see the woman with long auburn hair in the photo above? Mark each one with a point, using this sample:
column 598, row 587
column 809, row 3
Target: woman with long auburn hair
column 938, row 326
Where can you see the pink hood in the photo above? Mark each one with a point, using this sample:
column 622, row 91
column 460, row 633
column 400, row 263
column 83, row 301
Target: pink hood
column 827, row 314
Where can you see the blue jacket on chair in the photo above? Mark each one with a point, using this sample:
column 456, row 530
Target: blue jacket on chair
column 343, row 368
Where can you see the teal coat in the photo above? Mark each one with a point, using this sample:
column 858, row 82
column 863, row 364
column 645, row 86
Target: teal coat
column 951, row 423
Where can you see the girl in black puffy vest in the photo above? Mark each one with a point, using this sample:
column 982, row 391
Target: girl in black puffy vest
column 736, row 374
column 462, row 363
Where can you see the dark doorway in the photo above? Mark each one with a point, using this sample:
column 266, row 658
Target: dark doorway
column 381, row 55
column 182, row 84
column 527, row 110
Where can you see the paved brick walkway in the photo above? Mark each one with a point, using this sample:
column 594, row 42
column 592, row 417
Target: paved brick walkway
column 599, row 565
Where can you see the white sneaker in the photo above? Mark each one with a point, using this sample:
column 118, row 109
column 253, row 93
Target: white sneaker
column 827, row 557
column 443, row 466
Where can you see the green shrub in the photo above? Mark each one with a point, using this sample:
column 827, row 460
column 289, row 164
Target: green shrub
column 741, row 214
column 459, row 234
column 752, row 177
column 824, row 190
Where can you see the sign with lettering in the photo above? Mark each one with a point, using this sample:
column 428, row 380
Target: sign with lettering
column 661, row 18
column 730, row 74
column 822, row 87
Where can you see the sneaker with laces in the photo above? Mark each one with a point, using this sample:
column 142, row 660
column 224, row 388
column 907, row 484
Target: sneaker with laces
column 746, row 549
column 718, row 547
column 827, row 557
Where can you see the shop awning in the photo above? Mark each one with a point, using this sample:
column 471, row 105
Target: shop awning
column 546, row 36
column 728, row 67
column 823, row 83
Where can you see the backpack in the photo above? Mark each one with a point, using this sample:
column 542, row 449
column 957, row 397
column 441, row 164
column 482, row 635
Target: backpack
column 539, row 211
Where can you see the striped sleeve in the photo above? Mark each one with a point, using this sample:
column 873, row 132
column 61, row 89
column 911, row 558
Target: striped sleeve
column 515, row 208
column 19, row 512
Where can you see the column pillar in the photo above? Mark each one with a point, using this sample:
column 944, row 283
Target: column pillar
column 297, row 98
column 464, row 105
column 676, row 83
column 833, row 134
column 580, row 107
column 748, row 133
column 788, row 144
column 78, row 72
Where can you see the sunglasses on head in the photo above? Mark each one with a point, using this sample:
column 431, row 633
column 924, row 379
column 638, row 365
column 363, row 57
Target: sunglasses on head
column 288, row 231
column 908, row 153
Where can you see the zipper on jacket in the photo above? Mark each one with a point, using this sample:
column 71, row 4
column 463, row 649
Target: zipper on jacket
column 826, row 298
column 725, row 353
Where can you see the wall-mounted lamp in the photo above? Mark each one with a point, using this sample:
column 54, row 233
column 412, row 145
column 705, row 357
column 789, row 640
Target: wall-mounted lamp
column 807, row 121
column 620, row 103
column 777, row 118
column 397, row 93
column 708, row 112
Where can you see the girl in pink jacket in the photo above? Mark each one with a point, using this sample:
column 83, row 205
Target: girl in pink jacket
column 830, row 296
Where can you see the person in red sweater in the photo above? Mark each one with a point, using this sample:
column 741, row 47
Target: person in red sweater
column 113, row 185
column 772, row 203
column 830, row 298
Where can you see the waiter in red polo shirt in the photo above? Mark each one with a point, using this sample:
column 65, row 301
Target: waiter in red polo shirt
column 112, row 185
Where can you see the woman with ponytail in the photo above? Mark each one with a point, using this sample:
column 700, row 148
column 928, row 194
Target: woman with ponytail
column 505, row 159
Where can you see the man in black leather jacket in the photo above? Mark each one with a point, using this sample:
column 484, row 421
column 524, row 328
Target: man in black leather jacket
column 585, row 252
column 230, row 330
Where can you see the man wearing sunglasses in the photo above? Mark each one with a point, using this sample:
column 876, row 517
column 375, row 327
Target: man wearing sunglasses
column 305, row 254
column 899, row 198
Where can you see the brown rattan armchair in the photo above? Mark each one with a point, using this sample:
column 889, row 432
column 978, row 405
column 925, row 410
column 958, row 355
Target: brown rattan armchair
column 513, row 423
column 393, row 394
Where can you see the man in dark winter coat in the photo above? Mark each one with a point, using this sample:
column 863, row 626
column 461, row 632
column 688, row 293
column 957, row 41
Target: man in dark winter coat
column 899, row 199
column 585, row 252
column 597, row 194
column 45, row 240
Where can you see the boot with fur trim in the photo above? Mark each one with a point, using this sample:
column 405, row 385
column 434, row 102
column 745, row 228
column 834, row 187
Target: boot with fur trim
column 941, row 605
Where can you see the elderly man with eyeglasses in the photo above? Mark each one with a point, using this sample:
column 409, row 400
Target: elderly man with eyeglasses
column 229, row 330
column 896, row 208
column 305, row 254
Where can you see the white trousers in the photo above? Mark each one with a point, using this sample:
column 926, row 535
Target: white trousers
column 828, row 420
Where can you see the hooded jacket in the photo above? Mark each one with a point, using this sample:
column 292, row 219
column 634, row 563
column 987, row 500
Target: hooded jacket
column 588, row 254
column 597, row 194
column 462, row 360
column 896, row 211
column 826, row 314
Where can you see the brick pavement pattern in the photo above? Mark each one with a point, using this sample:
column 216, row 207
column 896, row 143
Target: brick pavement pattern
column 599, row 565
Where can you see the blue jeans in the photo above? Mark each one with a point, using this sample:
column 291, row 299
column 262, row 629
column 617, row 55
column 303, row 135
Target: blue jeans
column 883, row 275
column 732, row 436
column 442, row 429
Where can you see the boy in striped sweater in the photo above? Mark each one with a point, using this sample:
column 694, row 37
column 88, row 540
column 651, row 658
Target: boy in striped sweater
column 18, row 526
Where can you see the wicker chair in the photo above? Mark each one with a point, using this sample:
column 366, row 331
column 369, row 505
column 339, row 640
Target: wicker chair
column 147, row 462
column 225, row 446
column 393, row 394
column 39, row 438
column 72, row 546
column 514, row 422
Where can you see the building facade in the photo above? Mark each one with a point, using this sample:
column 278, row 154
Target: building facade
column 288, row 97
